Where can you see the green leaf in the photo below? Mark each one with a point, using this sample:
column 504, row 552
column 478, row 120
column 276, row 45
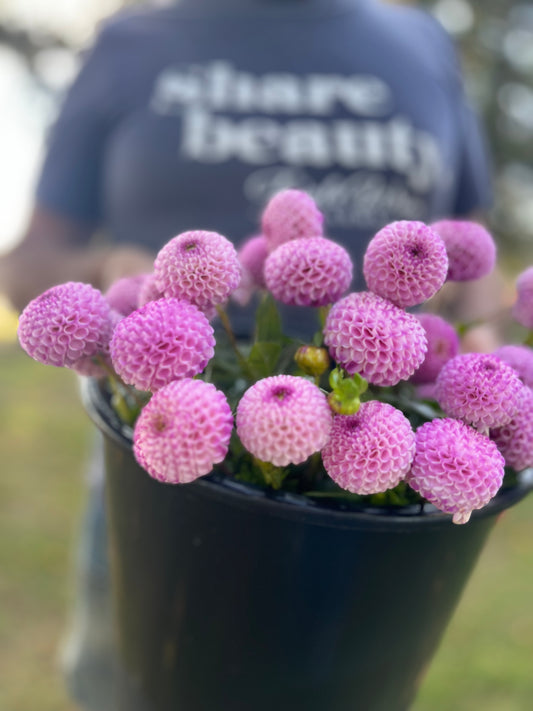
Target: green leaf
column 268, row 320
column 263, row 358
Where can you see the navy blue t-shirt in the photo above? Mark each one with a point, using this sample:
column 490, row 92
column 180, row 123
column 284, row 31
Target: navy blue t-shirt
column 191, row 116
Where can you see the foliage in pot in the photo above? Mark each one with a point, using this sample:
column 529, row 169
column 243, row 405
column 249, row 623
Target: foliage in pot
column 379, row 411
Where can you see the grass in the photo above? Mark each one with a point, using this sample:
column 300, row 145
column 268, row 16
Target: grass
column 484, row 662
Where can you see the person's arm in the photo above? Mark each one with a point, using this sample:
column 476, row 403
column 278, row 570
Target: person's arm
column 56, row 249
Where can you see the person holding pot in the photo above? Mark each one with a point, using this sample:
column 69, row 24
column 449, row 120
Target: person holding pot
column 190, row 116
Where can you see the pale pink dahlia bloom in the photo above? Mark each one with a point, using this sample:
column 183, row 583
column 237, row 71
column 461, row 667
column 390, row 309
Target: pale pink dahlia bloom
column 515, row 439
column 455, row 468
column 479, row 389
column 291, row 214
column 65, row 323
column 165, row 340
column 283, row 419
column 443, row 344
column 405, row 262
column 311, row 271
column 470, row 247
column 371, row 451
column 522, row 309
column 123, row 294
column 369, row 335
column 199, row 267
column 520, row 358
column 183, row 431
column 252, row 254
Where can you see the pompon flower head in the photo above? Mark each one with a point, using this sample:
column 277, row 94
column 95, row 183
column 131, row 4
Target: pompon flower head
column 148, row 291
column 455, row 468
column 123, row 294
column 100, row 366
column 291, row 214
column 515, row 439
column 311, row 271
column 283, row 419
column 252, row 254
column 443, row 344
column 164, row 340
column 470, row 247
column 479, row 389
column 183, row 431
column 405, row 262
column 369, row 335
column 371, row 451
column 520, row 358
column 65, row 323
column 522, row 309
column 199, row 267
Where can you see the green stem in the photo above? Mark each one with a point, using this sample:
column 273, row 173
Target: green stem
column 233, row 341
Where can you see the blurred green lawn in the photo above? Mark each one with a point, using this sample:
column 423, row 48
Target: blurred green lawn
column 485, row 662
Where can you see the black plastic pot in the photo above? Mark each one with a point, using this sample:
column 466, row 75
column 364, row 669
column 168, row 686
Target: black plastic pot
column 228, row 599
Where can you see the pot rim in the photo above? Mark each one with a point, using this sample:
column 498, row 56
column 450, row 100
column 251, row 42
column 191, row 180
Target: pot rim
column 283, row 504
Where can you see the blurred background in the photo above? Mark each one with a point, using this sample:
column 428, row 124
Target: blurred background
column 486, row 659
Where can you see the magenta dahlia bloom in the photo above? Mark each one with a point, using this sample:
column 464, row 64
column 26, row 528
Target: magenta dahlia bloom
column 443, row 344
column 65, row 323
column 311, row 271
column 479, row 389
column 520, row 358
column 148, row 291
column 123, row 294
column 455, row 468
column 291, row 214
column 183, row 431
column 371, row 451
column 522, row 309
column 515, row 439
column 405, row 262
column 199, row 267
column 369, row 335
column 252, row 254
column 164, row 340
column 471, row 249
column 283, row 419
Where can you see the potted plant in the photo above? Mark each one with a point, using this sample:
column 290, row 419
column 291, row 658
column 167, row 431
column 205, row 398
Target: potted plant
column 292, row 523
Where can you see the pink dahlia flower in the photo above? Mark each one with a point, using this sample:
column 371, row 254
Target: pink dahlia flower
column 520, row 358
column 455, row 468
column 369, row 335
column 471, row 249
column 123, row 294
column 443, row 344
column 164, row 340
column 183, row 431
column 99, row 367
column 479, row 389
column 371, row 451
column 199, row 267
column 252, row 254
column 291, row 214
column 283, row 419
column 64, row 324
column 515, row 439
column 311, row 271
column 405, row 262
column 148, row 291
column 522, row 309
